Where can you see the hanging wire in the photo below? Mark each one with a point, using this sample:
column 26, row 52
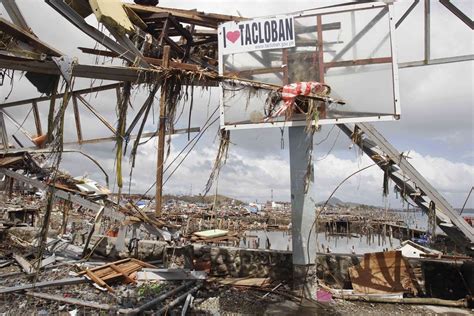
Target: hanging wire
column 322, row 209
column 205, row 127
column 332, row 147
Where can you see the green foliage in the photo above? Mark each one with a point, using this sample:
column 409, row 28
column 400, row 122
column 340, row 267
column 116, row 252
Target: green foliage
column 150, row 289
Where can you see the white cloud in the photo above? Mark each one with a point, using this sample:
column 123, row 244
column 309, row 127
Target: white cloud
column 451, row 178
column 436, row 105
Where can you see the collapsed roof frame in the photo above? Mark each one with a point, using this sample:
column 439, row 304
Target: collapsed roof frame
column 125, row 49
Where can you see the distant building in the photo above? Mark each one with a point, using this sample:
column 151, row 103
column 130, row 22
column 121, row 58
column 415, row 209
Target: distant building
column 277, row 206
column 252, row 208
column 257, row 205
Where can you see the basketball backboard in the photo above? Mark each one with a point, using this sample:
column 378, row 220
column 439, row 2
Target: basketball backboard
column 350, row 48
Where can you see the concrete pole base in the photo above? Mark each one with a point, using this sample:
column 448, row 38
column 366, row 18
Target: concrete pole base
column 305, row 280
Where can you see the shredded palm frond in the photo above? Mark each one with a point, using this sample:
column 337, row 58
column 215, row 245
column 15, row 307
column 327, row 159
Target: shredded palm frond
column 220, row 160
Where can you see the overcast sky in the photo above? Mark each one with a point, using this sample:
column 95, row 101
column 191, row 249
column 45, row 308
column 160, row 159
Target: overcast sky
column 436, row 125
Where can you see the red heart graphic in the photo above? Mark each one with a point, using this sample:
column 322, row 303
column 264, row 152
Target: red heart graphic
column 233, row 36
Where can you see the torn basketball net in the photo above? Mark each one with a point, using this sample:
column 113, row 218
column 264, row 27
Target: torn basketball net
column 288, row 95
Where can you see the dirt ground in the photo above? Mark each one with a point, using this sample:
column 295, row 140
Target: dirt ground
column 231, row 301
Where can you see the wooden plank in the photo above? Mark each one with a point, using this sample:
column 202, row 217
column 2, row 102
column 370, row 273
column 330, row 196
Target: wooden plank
column 61, row 282
column 24, row 264
column 27, row 37
column 48, row 261
column 125, row 275
column 257, row 282
column 98, row 281
column 82, row 91
column 77, row 119
column 114, row 274
column 150, row 60
column 164, row 33
column 69, row 300
column 136, row 75
column 103, row 266
column 125, row 266
column 39, row 130
column 143, row 264
column 188, row 16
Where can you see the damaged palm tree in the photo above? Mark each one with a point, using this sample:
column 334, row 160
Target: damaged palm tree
column 122, row 106
column 220, row 160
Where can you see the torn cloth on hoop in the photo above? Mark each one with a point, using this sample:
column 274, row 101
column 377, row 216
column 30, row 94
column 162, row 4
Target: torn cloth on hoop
column 289, row 93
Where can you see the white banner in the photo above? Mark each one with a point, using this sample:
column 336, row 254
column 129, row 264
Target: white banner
column 257, row 34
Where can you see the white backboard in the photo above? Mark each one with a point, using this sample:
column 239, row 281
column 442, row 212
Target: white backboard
column 352, row 45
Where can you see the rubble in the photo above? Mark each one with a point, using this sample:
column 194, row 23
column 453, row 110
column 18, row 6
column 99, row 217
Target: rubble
column 71, row 244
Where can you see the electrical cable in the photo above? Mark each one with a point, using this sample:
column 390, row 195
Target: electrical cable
column 187, row 154
column 23, row 122
column 322, row 209
column 327, row 136
column 332, row 147
column 177, row 156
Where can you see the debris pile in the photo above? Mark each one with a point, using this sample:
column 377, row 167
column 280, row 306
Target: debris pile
column 70, row 244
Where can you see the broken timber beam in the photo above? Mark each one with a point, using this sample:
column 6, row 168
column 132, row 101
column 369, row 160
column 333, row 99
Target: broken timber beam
column 77, row 119
column 26, row 37
column 69, row 300
column 24, row 264
column 38, row 285
column 63, row 194
column 135, row 75
column 152, row 61
column 60, row 95
column 405, row 300
column 39, row 130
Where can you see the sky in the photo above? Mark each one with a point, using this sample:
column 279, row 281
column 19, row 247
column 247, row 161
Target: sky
column 436, row 126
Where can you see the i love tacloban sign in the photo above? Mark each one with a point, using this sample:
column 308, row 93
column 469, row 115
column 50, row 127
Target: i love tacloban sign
column 257, row 34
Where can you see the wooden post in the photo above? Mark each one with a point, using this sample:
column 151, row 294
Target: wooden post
column 39, row 130
column 161, row 138
column 66, row 206
column 77, row 118
column 10, row 189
